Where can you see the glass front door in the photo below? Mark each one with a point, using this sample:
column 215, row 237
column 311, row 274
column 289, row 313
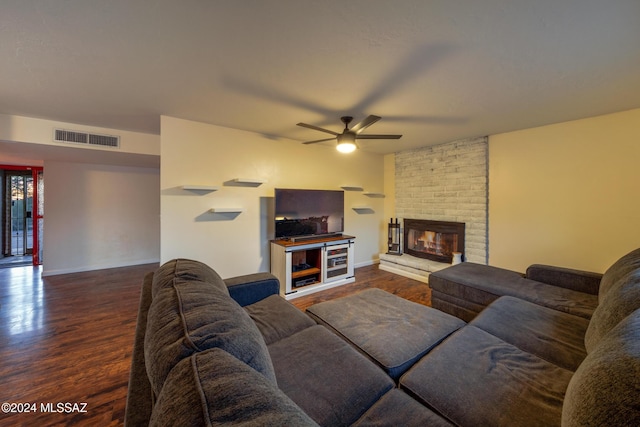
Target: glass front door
column 23, row 214
column 21, row 189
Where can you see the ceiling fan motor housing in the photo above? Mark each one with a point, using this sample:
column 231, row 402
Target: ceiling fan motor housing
column 346, row 120
column 347, row 137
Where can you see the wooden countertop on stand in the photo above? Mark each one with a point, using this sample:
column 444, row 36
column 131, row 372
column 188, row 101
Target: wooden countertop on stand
column 311, row 240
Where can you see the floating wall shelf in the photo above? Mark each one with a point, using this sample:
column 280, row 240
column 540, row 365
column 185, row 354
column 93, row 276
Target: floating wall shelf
column 352, row 188
column 226, row 210
column 202, row 188
column 244, row 182
column 378, row 195
column 363, row 209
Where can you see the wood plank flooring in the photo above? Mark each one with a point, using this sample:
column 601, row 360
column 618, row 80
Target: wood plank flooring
column 68, row 338
column 371, row 277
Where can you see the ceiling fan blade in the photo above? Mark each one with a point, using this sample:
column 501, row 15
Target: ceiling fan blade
column 304, row 125
column 357, row 128
column 378, row 136
column 319, row 140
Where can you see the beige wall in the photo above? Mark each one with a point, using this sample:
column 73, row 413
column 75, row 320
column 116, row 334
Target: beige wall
column 99, row 216
column 202, row 154
column 565, row 194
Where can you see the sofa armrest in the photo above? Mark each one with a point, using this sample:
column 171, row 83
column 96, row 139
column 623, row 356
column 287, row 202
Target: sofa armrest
column 252, row 288
column 577, row 280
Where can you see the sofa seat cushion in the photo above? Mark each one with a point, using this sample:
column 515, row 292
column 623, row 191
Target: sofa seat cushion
column 605, row 390
column 475, row 378
column 277, row 318
column 552, row 335
column 392, row 331
column 191, row 316
column 397, row 408
column 331, row 381
column 213, row 388
column 482, row 284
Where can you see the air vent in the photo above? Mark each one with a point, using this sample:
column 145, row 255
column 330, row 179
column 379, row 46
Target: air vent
column 75, row 137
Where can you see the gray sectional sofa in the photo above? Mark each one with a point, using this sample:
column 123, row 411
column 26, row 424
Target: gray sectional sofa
column 210, row 351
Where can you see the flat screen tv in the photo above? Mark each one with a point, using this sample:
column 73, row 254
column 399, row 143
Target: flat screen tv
column 308, row 212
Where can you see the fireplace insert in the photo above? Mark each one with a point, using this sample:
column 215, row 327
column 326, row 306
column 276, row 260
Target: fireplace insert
column 434, row 240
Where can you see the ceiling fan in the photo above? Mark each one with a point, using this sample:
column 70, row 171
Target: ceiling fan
column 347, row 139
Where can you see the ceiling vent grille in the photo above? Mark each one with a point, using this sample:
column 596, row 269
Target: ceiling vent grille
column 75, row 137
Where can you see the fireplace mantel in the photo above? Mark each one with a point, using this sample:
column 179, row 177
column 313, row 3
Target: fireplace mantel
column 434, row 240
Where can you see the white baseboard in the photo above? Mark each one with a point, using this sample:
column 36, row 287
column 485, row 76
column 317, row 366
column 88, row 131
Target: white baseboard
column 83, row 269
column 366, row 263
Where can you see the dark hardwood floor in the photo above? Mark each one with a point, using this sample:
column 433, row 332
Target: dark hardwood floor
column 371, row 277
column 68, row 339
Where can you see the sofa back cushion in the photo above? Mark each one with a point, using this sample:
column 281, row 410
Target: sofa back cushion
column 188, row 316
column 213, row 388
column 187, row 269
column 620, row 268
column 604, row 389
column 620, row 297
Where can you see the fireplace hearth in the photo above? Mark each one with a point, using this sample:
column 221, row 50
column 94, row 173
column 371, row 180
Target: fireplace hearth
column 434, row 240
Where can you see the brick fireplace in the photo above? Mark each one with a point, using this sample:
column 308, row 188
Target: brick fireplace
column 442, row 183
column 447, row 182
column 434, row 240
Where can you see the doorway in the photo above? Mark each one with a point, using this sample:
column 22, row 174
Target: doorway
column 22, row 215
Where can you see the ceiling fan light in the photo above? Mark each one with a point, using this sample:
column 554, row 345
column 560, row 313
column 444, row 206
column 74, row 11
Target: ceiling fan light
column 346, row 142
column 346, row 147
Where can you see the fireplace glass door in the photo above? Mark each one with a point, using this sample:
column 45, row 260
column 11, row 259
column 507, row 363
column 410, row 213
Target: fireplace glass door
column 435, row 240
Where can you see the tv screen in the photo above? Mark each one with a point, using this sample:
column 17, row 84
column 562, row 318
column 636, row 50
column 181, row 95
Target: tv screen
column 308, row 212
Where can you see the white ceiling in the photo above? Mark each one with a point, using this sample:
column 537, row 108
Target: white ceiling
column 436, row 71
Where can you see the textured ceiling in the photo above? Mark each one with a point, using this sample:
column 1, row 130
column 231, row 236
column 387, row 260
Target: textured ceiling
column 436, row 71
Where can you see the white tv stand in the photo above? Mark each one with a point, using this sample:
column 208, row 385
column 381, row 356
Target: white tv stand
column 311, row 265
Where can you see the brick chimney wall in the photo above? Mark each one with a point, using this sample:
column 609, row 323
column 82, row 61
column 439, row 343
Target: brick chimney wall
column 447, row 182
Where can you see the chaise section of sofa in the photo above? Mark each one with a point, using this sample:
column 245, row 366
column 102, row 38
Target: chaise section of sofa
column 464, row 290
